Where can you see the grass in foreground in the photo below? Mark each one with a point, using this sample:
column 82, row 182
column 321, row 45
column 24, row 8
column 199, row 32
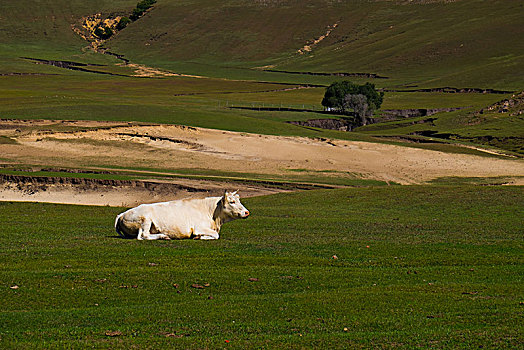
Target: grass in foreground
column 416, row 266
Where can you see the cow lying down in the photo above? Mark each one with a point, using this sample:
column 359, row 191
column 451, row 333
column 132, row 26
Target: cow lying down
column 186, row 218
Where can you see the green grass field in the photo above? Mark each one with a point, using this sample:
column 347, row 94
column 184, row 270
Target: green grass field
column 436, row 266
column 421, row 266
column 208, row 103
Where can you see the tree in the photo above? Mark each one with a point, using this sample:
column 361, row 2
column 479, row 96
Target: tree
column 374, row 97
column 141, row 7
column 336, row 93
column 124, row 21
column 103, row 32
column 359, row 105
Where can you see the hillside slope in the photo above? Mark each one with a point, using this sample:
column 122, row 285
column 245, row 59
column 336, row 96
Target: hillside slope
column 428, row 43
column 464, row 43
column 403, row 46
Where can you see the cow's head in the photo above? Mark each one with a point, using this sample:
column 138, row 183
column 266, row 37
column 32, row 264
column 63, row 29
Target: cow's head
column 232, row 206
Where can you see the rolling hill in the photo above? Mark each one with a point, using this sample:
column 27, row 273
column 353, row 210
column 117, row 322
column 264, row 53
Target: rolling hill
column 397, row 45
column 437, row 43
column 462, row 43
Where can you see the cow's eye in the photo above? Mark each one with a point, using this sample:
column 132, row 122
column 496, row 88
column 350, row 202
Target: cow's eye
column 231, row 202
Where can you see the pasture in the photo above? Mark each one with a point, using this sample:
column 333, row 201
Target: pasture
column 385, row 267
column 434, row 263
column 435, row 44
column 254, row 107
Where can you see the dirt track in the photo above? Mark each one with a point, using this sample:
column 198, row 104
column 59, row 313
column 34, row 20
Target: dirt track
column 92, row 144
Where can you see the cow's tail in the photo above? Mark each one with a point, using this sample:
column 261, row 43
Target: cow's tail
column 118, row 222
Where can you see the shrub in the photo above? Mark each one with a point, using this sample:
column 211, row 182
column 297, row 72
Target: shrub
column 103, row 32
column 136, row 14
column 145, row 4
column 124, row 21
column 141, row 7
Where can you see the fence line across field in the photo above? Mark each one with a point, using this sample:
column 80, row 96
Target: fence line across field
column 270, row 106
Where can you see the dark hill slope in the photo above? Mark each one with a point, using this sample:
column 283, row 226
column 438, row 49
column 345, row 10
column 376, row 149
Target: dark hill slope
column 430, row 43
column 464, row 43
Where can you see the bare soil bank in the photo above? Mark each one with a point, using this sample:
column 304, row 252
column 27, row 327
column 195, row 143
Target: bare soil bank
column 87, row 144
column 111, row 192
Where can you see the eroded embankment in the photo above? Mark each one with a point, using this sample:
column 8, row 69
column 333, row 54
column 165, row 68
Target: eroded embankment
column 336, row 74
column 88, row 191
column 131, row 146
column 347, row 123
column 115, row 192
column 416, row 112
column 73, row 66
column 42, row 183
column 453, row 90
column 329, row 124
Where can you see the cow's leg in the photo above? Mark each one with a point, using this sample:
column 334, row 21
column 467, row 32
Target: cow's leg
column 208, row 237
column 155, row 236
column 205, row 234
column 144, row 232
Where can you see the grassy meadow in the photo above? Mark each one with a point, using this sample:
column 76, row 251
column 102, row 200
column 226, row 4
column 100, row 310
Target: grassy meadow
column 390, row 267
column 435, row 266
column 243, row 106
column 463, row 44
column 467, row 43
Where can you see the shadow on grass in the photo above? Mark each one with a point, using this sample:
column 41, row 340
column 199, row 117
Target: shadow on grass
column 120, row 237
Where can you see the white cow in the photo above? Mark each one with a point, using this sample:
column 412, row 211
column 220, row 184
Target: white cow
column 186, row 218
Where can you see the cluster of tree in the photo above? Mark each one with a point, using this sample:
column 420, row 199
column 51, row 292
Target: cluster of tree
column 141, row 7
column 104, row 32
column 346, row 98
column 124, row 21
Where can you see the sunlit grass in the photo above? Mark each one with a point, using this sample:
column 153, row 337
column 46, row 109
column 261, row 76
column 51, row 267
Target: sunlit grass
column 403, row 266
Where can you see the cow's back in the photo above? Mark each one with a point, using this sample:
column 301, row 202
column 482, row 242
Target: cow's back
column 180, row 218
column 177, row 219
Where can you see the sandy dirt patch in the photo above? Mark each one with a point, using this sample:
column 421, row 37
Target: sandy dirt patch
column 91, row 144
column 309, row 46
column 173, row 146
column 150, row 72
